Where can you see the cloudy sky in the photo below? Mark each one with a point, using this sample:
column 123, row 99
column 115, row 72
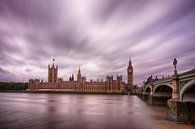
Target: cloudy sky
column 98, row 35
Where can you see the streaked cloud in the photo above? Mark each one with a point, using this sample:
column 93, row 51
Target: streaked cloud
column 98, row 35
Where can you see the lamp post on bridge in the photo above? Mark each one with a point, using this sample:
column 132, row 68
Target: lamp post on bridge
column 175, row 66
column 175, row 82
column 178, row 110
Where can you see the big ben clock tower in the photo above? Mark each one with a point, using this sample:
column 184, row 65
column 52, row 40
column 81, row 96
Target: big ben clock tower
column 130, row 76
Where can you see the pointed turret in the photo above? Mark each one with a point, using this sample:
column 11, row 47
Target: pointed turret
column 129, row 61
column 79, row 76
column 72, row 77
column 53, row 62
column 79, row 72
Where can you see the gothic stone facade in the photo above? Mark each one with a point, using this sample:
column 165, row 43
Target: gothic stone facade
column 79, row 85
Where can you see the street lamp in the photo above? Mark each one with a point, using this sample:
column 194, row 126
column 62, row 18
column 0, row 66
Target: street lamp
column 175, row 66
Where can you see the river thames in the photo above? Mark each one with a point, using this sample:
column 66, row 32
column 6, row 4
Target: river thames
column 77, row 111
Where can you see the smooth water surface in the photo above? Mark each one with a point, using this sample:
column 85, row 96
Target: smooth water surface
column 75, row 111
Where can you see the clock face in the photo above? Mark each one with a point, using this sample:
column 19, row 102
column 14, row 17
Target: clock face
column 129, row 70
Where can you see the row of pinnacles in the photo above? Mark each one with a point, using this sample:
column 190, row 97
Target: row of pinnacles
column 56, row 84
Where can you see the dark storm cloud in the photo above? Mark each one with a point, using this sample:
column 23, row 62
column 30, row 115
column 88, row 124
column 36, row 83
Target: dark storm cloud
column 30, row 11
column 68, row 42
column 99, row 36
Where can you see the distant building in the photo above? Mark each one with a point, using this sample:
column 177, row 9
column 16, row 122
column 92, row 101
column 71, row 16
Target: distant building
column 55, row 84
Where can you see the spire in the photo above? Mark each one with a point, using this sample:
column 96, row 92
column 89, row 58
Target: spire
column 79, row 76
column 53, row 61
column 72, row 77
column 129, row 61
column 79, row 72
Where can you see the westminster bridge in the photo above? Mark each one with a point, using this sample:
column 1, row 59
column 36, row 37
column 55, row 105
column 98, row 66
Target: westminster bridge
column 176, row 92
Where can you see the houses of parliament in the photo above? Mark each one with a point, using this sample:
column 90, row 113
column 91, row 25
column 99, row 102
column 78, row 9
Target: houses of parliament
column 80, row 84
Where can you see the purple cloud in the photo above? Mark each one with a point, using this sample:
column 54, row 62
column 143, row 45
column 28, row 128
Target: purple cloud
column 99, row 36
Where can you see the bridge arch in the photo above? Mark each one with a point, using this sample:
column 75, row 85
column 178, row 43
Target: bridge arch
column 148, row 89
column 188, row 87
column 166, row 84
column 163, row 90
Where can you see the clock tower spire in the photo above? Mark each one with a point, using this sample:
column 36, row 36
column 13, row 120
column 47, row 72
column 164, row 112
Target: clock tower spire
column 130, row 76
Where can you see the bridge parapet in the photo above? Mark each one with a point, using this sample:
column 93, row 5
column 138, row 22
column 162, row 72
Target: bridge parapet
column 188, row 74
column 186, row 77
column 163, row 81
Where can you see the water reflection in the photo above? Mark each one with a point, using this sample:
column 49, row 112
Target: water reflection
column 71, row 111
